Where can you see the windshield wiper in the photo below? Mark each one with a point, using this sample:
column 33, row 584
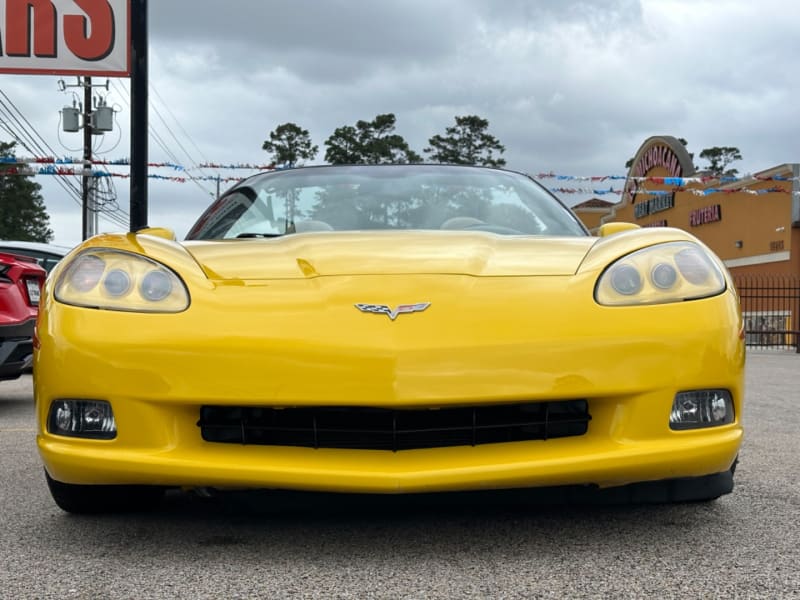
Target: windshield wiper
column 253, row 234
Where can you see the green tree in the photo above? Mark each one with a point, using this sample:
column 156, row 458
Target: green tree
column 344, row 147
column 288, row 144
column 466, row 143
column 369, row 142
column 22, row 212
column 719, row 157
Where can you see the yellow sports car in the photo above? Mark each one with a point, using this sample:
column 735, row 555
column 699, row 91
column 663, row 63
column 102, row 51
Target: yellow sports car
column 388, row 329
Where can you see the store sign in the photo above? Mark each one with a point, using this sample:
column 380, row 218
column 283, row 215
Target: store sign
column 708, row 214
column 661, row 223
column 654, row 205
column 664, row 154
column 65, row 37
column 658, row 156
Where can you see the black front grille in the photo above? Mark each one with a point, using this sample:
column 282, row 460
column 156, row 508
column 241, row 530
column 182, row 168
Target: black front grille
column 387, row 429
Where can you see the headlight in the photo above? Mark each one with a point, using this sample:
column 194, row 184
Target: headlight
column 670, row 272
column 118, row 280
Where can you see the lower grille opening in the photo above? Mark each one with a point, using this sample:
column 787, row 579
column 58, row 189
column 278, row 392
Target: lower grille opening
column 389, row 429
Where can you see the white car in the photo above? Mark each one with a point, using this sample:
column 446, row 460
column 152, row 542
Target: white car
column 45, row 255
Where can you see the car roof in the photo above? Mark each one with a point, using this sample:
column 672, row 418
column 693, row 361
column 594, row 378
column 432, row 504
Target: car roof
column 39, row 246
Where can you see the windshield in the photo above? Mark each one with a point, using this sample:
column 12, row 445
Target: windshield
column 386, row 197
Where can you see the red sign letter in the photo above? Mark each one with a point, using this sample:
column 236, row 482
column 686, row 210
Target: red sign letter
column 98, row 44
column 44, row 28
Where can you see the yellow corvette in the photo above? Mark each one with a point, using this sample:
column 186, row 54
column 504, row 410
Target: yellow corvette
column 388, row 329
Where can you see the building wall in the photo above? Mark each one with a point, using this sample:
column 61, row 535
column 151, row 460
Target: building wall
column 791, row 266
column 590, row 217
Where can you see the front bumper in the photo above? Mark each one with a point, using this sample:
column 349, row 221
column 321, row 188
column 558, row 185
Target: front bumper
column 520, row 464
column 272, row 351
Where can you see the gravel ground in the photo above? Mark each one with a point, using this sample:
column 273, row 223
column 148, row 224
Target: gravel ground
column 268, row 545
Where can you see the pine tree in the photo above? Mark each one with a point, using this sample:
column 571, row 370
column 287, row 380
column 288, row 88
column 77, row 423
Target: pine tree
column 288, row 144
column 467, row 143
column 719, row 157
column 23, row 215
column 369, row 143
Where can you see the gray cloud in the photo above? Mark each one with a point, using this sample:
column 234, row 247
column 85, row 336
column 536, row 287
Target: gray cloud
column 335, row 40
column 572, row 87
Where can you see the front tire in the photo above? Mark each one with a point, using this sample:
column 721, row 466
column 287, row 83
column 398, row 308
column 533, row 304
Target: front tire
column 96, row 499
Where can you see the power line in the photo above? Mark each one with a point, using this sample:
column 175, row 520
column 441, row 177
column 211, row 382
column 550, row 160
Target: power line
column 193, row 162
column 153, row 106
column 26, row 134
column 200, row 152
column 160, row 141
column 153, row 133
column 22, row 137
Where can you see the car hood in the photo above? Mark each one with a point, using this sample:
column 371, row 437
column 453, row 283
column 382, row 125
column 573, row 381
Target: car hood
column 364, row 253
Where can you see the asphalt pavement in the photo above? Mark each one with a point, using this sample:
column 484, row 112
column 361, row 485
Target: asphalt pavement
column 271, row 545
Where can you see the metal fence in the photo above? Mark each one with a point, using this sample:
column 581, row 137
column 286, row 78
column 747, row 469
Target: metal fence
column 771, row 310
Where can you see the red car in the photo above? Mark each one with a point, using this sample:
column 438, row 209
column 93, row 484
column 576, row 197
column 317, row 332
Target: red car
column 21, row 281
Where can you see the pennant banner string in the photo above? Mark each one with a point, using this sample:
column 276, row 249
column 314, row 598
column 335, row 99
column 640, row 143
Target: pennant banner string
column 60, row 166
column 674, row 181
column 53, row 169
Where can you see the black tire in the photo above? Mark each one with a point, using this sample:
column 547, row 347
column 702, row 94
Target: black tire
column 96, row 499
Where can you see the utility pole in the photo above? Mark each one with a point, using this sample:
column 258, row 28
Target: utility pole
column 97, row 120
column 87, row 204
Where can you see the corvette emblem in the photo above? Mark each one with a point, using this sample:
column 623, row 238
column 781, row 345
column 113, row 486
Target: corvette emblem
column 382, row 309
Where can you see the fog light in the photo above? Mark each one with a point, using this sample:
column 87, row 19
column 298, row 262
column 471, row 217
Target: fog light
column 82, row 418
column 701, row 408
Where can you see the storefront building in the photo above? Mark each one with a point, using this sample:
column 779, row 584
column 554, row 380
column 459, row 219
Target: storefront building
column 752, row 223
column 592, row 212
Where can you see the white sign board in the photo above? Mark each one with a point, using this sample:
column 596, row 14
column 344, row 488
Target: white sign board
column 65, row 37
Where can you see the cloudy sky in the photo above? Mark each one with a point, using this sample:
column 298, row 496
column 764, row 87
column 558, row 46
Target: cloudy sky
column 571, row 87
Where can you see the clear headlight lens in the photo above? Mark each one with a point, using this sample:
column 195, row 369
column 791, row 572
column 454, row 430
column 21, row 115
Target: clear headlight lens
column 670, row 272
column 118, row 280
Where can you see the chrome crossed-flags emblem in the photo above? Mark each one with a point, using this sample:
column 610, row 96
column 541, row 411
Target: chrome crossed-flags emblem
column 382, row 309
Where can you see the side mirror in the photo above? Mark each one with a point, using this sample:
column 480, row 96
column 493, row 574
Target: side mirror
column 607, row 229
